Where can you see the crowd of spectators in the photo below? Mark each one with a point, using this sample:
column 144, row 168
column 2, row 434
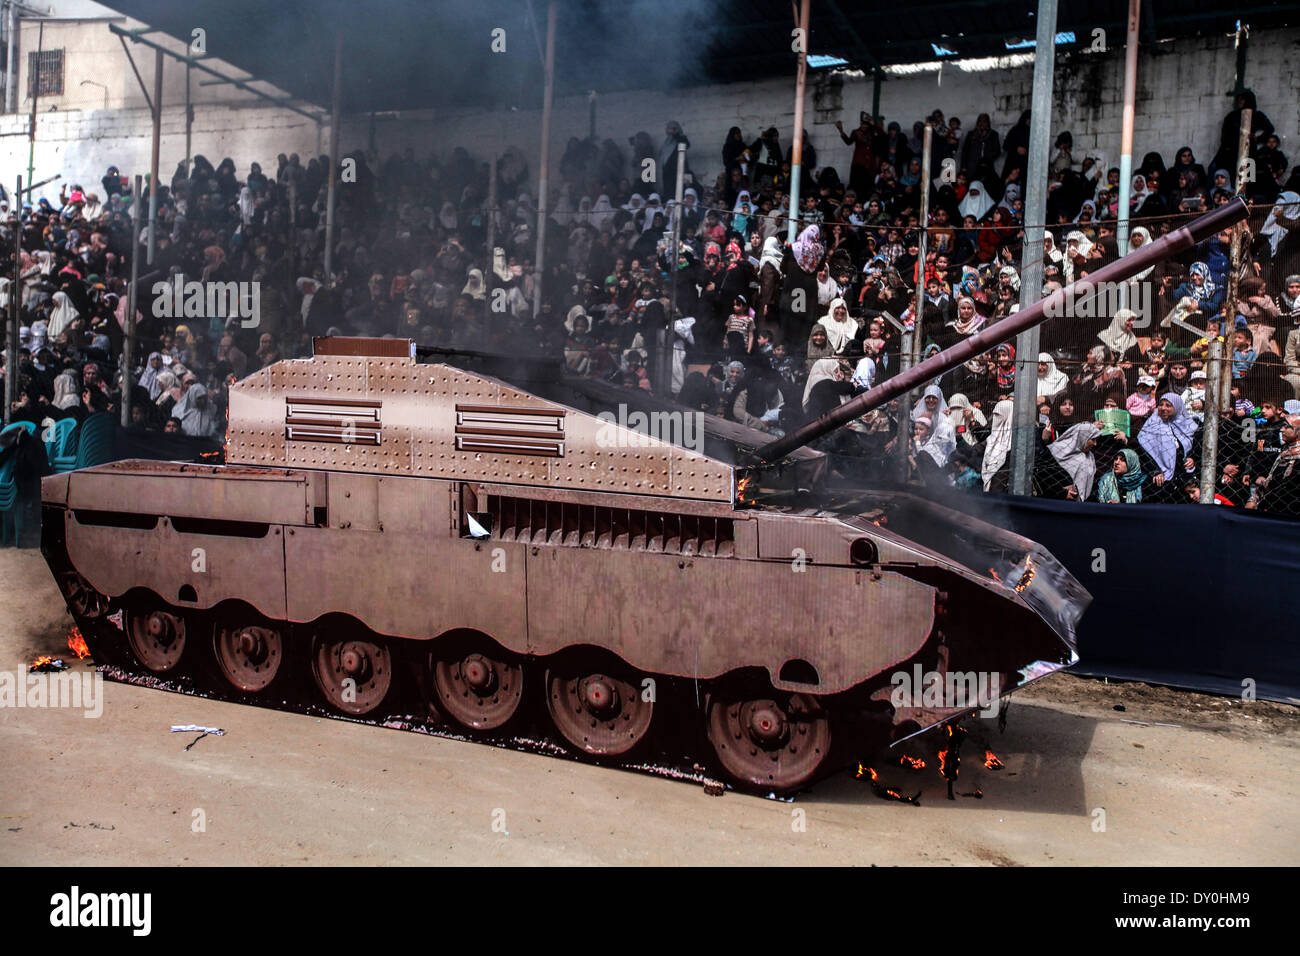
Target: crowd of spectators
column 765, row 332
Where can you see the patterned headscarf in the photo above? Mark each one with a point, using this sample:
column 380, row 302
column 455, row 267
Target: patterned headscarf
column 808, row 249
column 1206, row 288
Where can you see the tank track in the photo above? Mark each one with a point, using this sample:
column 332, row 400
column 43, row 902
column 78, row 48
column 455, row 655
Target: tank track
column 682, row 737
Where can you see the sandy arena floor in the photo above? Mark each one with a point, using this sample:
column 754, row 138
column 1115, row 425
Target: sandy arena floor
column 283, row 788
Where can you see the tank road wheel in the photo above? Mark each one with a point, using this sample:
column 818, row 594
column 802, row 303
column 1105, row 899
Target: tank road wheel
column 598, row 712
column 248, row 654
column 476, row 683
column 764, row 742
column 157, row 637
column 83, row 600
column 354, row 673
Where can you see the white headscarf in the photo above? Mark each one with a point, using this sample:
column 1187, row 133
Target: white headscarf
column 602, row 212
column 772, row 253
column 63, row 315
column 1071, row 451
column 1054, row 381
column 246, row 205
column 957, row 417
column 822, row 370
column 976, row 202
column 149, row 379
column 1117, row 338
column 942, row 440
column 838, row 334
column 1146, row 237
column 919, row 408
column 1288, row 204
column 66, row 392
column 864, row 376
column 998, row 446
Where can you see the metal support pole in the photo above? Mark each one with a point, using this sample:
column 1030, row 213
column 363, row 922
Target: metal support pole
column 1239, row 75
column 189, row 118
column 15, row 303
column 876, row 77
column 332, row 188
column 666, row 353
column 591, row 114
column 489, row 273
column 11, row 72
column 36, row 92
column 293, row 229
column 911, row 353
column 1031, row 262
column 1126, row 132
column 132, row 298
column 153, row 155
column 1219, row 360
column 543, row 182
column 796, row 151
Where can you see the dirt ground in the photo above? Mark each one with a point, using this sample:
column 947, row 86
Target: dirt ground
column 1084, row 783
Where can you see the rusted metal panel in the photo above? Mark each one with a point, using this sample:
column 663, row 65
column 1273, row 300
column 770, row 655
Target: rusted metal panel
column 422, row 585
column 211, row 491
column 429, row 420
column 696, row 616
column 357, row 345
column 164, row 560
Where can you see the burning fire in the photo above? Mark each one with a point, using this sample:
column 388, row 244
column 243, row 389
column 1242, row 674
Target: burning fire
column 1028, row 576
column 77, row 644
column 885, row 793
column 45, row 664
column 991, row 761
column 742, row 486
column 911, row 763
column 950, row 756
column 996, row 577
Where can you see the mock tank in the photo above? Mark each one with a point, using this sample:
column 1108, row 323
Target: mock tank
column 390, row 537
column 417, row 537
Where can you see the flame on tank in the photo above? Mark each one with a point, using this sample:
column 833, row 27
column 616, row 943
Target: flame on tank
column 77, row 643
column 1028, row 576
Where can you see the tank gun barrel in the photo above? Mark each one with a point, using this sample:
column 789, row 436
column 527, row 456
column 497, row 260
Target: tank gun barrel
column 1179, row 240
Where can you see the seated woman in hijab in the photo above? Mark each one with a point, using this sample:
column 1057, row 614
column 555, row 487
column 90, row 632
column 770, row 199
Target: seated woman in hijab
column 931, row 403
column 1067, row 473
column 968, row 423
column 1165, row 447
column 67, row 397
column 1051, row 380
column 1123, row 483
column 829, row 385
column 933, row 443
column 1201, row 288
column 758, row 402
column 1120, row 338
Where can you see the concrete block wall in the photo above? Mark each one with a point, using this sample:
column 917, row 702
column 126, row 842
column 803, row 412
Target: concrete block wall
column 82, row 144
column 1182, row 97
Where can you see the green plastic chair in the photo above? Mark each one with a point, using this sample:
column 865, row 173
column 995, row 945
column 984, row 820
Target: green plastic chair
column 61, row 445
column 95, row 440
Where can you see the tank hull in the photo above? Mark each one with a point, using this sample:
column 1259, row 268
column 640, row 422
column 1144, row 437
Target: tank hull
column 662, row 590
